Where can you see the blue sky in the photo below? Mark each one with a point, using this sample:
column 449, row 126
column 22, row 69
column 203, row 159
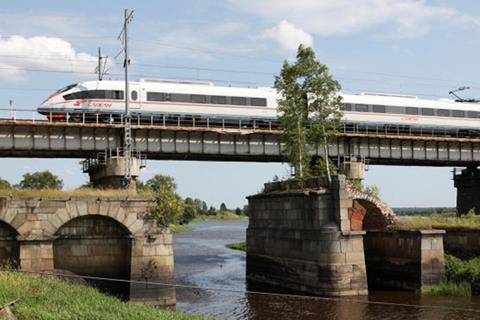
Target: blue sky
column 417, row 47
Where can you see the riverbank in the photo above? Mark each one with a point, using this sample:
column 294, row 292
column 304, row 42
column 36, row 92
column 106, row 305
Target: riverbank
column 462, row 278
column 177, row 228
column 241, row 246
column 437, row 221
column 227, row 215
column 47, row 298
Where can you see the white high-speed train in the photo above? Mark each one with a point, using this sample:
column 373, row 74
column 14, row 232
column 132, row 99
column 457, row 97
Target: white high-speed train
column 203, row 99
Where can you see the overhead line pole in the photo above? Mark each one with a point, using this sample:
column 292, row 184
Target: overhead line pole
column 127, row 119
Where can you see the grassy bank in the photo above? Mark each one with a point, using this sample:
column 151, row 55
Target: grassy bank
column 46, row 298
column 242, row 246
column 178, row 228
column 227, row 215
column 463, row 278
column 82, row 192
column 437, row 222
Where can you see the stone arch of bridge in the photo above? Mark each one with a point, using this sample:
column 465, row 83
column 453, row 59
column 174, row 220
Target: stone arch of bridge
column 366, row 215
column 98, row 246
column 116, row 211
column 9, row 246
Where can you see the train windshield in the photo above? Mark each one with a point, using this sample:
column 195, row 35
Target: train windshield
column 66, row 88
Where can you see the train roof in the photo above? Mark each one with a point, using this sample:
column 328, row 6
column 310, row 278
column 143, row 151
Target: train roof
column 202, row 87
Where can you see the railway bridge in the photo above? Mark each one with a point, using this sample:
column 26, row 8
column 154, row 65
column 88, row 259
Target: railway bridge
column 161, row 138
column 62, row 231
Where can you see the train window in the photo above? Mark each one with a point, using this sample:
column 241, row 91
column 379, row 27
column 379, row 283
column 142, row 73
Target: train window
column 114, row 94
column 96, row 94
column 66, row 88
column 178, row 97
column 361, row 107
column 473, row 114
column 410, row 110
column 458, row 113
column 134, row 95
column 378, row 109
column 259, row 102
column 239, row 101
column 156, row 96
column 443, row 113
column 346, row 107
column 427, row 112
column 218, row 100
column 72, row 96
column 197, row 98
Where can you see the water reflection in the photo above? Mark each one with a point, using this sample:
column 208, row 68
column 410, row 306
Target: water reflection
column 201, row 259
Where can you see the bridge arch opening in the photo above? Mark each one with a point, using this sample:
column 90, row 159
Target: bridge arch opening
column 9, row 246
column 365, row 215
column 96, row 246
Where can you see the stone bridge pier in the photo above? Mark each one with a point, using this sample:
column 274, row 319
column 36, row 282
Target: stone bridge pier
column 467, row 183
column 110, row 237
column 316, row 240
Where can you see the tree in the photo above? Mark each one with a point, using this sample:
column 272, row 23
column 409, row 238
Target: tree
column 212, row 211
column 201, row 206
column 223, row 207
column 245, row 210
column 140, row 186
column 204, row 209
column 189, row 211
column 169, row 204
column 4, row 184
column 40, row 180
column 238, row 211
column 308, row 107
column 161, row 182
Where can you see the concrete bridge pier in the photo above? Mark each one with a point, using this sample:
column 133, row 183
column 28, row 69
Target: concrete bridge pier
column 467, row 183
column 353, row 169
column 108, row 169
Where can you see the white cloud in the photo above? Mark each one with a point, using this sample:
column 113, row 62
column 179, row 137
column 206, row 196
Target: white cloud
column 407, row 18
column 288, row 36
column 41, row 53
column 69, row 172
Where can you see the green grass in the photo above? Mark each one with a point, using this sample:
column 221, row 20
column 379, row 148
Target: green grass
column 178, row 228
column 227, row 215
column 463, row 278
column 437, row 221
column 450, row 288
column 46, row 298
column 82, row 192
column 242, row 246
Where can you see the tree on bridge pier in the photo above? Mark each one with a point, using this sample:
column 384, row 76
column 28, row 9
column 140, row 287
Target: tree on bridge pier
column 308, row 106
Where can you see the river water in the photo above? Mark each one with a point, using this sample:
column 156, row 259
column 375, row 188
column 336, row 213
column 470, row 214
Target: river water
column 202, row 260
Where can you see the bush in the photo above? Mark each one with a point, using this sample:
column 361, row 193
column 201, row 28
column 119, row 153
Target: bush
column 463, row 278
column 450, row 288
column 40, row 180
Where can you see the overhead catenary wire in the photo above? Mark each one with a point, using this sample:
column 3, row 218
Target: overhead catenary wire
column 252, row 292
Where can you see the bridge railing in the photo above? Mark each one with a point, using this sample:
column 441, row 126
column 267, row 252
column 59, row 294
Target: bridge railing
column 216, row 122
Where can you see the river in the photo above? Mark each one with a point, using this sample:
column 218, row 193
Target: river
column 202, row 260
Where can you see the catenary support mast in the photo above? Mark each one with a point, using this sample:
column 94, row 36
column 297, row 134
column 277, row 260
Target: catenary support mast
column 127, row 118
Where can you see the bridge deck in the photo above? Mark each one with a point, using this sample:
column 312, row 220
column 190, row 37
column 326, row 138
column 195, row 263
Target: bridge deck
column 44, row 139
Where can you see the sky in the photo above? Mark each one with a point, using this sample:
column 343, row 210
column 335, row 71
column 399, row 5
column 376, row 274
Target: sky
column 424, row 48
